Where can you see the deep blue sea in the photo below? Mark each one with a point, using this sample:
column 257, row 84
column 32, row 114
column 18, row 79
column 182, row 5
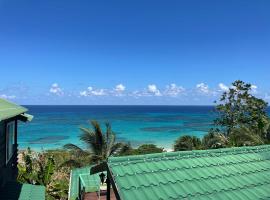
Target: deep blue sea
column 54, row 126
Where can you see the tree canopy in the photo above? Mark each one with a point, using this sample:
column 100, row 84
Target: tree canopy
column 238, row 107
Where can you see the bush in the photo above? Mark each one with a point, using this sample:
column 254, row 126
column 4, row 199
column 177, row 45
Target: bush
column 214, row 140
column 148, row 148
column 244, row 137
column 143, row 149
column 187, row 142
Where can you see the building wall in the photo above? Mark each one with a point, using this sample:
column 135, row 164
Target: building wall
column 8, row 171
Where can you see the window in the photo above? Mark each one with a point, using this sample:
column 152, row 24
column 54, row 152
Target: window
column 10, row 140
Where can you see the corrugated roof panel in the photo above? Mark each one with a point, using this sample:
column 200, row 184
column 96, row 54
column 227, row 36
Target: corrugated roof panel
column 16, row 191
column 235, row 173
column 8, row 109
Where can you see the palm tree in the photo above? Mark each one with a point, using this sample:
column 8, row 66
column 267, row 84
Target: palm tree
column 99, row 145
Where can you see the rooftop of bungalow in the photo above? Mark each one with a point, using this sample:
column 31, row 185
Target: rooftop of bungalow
column 9, row 110
column 229, row 173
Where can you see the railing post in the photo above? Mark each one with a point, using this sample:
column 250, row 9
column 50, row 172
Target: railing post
column 108, row 188
column 79, row 189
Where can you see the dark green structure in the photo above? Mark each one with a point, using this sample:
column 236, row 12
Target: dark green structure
column 10, row 115
column 81, row 182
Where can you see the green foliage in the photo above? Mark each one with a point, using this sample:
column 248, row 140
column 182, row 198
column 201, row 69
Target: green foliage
column 214, row 139
column 243, row 136
column 238, row 107
column 147, row 149
column 48, row 171
column 187, row 142
column 58, row 190
column 143, row 149
column 242, row 121
column 125, row 150
column 99, row 145
column 40, row 169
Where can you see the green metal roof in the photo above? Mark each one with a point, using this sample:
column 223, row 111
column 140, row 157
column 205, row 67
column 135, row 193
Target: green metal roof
column 16, row 191
column 231, row 173
column 82, row 176
column 8, row 109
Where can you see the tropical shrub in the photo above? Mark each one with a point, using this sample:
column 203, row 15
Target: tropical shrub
column 243, row 136
column 187, row 142
column 147, row 149
column 214, row 140
column 40, row 169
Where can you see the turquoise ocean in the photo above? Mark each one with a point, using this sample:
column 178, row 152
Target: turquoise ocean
column 54, row 126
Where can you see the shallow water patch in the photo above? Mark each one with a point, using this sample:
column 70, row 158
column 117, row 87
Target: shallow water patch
column 48, row 139
column 162, row 129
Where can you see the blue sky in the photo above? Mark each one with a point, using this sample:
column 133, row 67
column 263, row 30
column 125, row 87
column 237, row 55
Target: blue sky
column 132, row 52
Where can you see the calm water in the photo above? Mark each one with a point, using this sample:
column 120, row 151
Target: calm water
column 54, row 126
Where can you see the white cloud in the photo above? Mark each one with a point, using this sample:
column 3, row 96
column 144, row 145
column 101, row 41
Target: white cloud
column 174, row 90
column 120, row 88
column 83, row 93
column 4, row 96
column 223, row 87
column 93, row 92
column 152, row 89
column 267, row 96
column 99, row 92
column 203, row 88
column 55, row 89
column 254, row 88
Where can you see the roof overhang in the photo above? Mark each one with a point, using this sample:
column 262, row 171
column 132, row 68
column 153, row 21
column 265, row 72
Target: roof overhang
column 25, row 117
column 9, row 110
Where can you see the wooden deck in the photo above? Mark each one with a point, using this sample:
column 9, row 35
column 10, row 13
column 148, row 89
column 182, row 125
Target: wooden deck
column 94, row 196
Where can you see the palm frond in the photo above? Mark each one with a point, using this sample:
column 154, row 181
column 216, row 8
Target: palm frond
column 90, row 140
column 108, row 131
column 98, row 133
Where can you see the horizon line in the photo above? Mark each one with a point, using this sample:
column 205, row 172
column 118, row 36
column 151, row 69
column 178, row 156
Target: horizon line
column 110, row 105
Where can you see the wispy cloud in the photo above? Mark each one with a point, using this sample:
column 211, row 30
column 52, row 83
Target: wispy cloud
column 56, row 90
column 254, row 89
column 4, row 96
column 223, row 87
column 203, row 88
column 173, row 90
column 93, row 92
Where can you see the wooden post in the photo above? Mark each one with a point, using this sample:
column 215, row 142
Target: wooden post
column 108, row 187
column 112, row 182
column 80, row 194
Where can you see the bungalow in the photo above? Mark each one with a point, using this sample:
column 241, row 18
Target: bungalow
column 10, row 115
column 231, row 173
